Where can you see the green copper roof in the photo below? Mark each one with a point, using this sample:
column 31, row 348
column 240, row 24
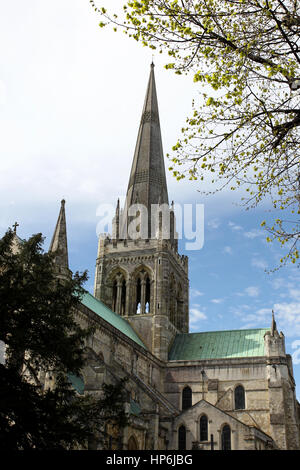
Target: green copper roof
column 135, row 408
column 111, row 317
column 77, row 382
column 218, row 345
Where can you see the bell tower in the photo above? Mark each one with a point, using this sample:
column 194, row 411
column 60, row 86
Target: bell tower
column 139, row 272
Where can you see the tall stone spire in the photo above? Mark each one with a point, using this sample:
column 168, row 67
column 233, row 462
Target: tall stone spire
column 147, row 182
column 140, row 275
column 59, row 245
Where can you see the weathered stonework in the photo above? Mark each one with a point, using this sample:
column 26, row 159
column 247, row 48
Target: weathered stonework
column 239, row 401
column 157, row 386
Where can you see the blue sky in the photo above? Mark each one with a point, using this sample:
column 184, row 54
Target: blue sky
column 71, row 96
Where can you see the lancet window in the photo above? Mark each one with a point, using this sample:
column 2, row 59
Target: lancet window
column 143, row 293
column 119, row 287
column 186, row 398
column 203, row 428
column 239, row 398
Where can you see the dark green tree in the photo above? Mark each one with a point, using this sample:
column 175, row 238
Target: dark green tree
column 41, row 335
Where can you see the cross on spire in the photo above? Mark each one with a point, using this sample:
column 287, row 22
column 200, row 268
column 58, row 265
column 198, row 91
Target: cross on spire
column 15, row 227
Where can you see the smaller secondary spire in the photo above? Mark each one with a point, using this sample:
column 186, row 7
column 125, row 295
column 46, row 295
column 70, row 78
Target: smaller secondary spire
column 273, row 324
column 117, row 221
column 59, row 244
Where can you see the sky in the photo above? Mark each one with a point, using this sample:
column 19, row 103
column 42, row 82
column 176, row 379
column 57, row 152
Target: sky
column 71, row 96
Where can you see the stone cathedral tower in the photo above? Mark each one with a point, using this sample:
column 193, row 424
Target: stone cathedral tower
column 139, row 272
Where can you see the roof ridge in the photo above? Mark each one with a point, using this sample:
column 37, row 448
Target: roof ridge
column 222, row 331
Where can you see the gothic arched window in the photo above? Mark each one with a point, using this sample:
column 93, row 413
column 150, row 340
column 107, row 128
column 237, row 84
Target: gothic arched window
column 226, row 437
column 141, row 299
column 138, row 296
column 203, row 428
column 239, row 398
column 132, row 443
column 186, row 398
column 147, row 295
column 118, row 293
column 182, row 438
column 123, row 297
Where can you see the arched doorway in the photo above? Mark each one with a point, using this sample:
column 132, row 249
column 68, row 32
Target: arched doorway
column 182, row 438
column 226, row 437
column 132, row 444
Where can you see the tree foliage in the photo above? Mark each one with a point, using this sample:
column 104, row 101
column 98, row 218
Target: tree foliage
column 39, row 329
column 244, row 128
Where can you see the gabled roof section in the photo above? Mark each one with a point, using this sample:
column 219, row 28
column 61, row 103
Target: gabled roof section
column 111, row 317
column 218, row 345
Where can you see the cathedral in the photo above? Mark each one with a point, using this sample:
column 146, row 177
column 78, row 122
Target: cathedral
column 216, row 390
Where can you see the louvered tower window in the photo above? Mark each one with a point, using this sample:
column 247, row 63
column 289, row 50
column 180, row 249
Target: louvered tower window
column 147, row 295
column 138, row 296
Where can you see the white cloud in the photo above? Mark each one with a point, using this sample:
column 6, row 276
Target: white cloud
column 296, row 354
column 234, row 226
column 259, row 263
column 253, row 233
column 217, row 301
column 196, row 315
column 214, row 223
column 252, row 291
column 227, row 250
column 296, row 357
column 278, row 283
column 196, row 293
column 287, row 316
column 2, row 93
column 295, row 294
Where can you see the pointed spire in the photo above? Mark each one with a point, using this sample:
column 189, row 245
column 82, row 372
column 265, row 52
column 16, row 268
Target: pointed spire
column 117, row 221
column 147, row 180
column 59, row 244
column 273, row 325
